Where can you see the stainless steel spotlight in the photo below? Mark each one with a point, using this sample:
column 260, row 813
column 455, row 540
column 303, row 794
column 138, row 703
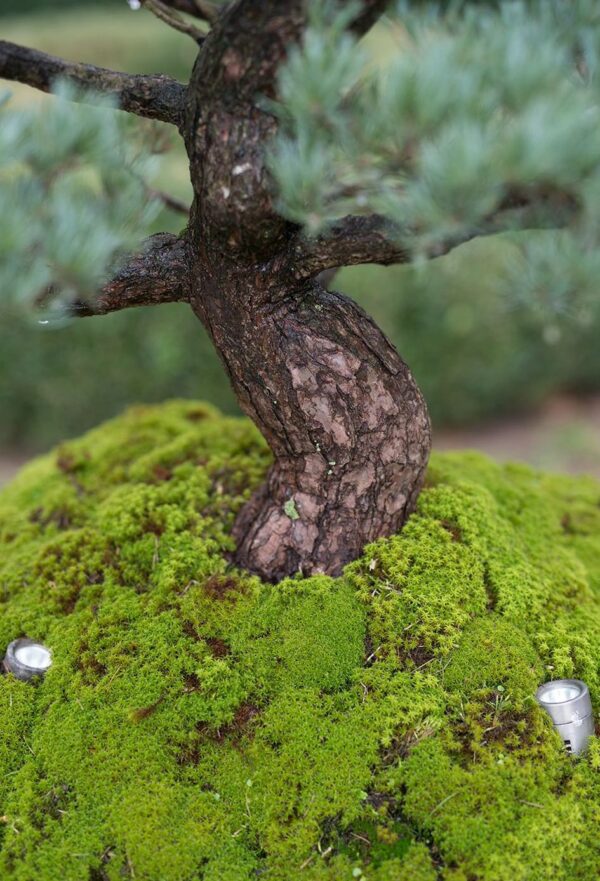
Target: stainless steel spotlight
column 567, row 702
column 25, row 659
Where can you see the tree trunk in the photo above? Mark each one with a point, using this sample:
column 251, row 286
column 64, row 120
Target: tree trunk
column 340, row 410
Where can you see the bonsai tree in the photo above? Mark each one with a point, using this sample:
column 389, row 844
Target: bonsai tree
column 304, row 158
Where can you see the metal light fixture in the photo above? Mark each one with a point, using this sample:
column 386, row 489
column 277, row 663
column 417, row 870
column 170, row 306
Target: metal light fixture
column 567, row 702
column 26, row 658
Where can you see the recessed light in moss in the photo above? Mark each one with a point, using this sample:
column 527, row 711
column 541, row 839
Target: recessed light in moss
column 26, row 659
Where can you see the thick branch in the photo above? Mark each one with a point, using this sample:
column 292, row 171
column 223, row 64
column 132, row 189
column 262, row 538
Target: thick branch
column 373, row 239
column 155, row 96
column 158, row 274
column 350, row 241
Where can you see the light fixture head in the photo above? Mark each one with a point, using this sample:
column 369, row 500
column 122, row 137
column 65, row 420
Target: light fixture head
column 26, row 658
column 567, row 702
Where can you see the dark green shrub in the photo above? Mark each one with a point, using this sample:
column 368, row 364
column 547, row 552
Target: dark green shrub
column 476, row 353
column 57, row 382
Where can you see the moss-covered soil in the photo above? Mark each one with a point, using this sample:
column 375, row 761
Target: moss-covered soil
column 197, row 724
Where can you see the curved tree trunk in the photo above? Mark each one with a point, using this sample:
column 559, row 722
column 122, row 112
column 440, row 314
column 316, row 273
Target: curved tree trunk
column 340, row 410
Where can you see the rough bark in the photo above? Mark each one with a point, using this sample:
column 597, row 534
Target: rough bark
column 340, row 410
column 353, row 240
column 374, row 239
column 159, row 273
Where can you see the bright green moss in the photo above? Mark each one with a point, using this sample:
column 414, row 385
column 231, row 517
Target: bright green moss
column 197, row 724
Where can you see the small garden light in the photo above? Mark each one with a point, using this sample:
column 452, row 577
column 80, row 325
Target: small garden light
column 567, row 701
column 25, row 659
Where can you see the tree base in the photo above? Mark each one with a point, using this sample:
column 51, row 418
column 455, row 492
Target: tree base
column 343, row 415
column 285, row 531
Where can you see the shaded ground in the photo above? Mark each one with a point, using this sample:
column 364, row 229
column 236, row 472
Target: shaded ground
column 562, row 436
column 9, row 465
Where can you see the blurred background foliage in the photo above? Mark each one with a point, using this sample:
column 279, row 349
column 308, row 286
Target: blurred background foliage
column 476, row 354
column 22, row 7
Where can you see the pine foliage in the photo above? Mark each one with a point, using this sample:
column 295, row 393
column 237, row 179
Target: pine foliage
column 74, row 197
column 486, row 120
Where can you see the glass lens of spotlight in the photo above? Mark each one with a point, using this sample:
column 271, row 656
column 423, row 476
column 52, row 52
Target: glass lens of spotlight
column 35, row 656
column 558, row 694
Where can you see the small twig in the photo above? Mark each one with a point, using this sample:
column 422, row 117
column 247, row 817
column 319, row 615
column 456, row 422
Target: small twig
column 155, row 556
column 202, row 9
column 173, row 19
column 373, row 654
column 307, row 862
column 170, row 201
column 424, row 664
column 130, row 865
column 443, row 802
column 28, row 747
column 206, row 10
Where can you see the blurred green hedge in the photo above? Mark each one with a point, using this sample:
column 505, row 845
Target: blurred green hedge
column 474, row 354
column 477, row 353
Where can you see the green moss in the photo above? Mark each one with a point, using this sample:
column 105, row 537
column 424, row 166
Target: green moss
column 198, row 724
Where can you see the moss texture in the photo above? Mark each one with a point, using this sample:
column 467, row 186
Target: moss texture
column 198, row 724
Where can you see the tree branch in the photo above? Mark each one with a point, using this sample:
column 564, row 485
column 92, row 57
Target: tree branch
column 352, row 240
column 374, row 239
column 158, row 274
column 155, row 96
column 201, row 9
column 371, row 11
column 169, row 201
column 164, row 12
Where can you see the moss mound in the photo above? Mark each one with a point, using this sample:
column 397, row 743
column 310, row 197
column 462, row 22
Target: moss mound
column 198, row 724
